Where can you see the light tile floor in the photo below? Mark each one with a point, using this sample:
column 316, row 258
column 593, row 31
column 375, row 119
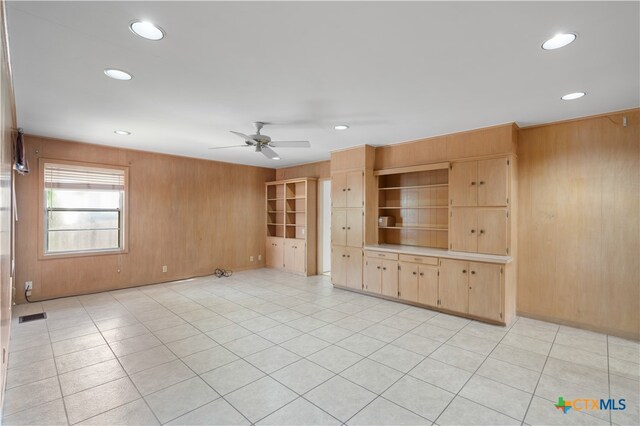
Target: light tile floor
column 266, row 347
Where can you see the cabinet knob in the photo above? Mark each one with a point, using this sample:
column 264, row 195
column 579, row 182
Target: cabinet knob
column 378, row 267
column 343, row 227
column 348, row 255
column 473, row 231
column 414, row 273
column 464, row 271
column 344, row 189
column 470, row 288
column 473, row 183
column 481, row 182
column 421, row 274
column 384, row 269
column 348, row 227
column 344, row 255
column 348, row 189
column 481, row 231
column 473, row 272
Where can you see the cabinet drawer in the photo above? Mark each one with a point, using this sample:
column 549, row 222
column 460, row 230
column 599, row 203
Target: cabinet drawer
column 381, row 255
column 424, row 260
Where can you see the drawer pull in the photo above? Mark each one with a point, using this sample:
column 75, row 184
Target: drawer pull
column 380, row 254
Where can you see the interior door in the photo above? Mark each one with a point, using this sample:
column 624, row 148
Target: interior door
column 485, row 290
column 355, row 184
column 373, row 275
column 354, row 231
column 339, row 227
column 428, row 285
column 464, row 229
column 408, row 281
column 354, row 267
column 389, row 278
column 463, row 184
column 453, row 285
column 493, row 182
column 339, row 190
column 338, row 266
column 492, row 231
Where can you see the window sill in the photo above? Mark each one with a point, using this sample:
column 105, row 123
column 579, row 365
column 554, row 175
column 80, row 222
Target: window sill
column 66, row 255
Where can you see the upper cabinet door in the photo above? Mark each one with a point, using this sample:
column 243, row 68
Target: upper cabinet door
column 339, row 227
column 464, row 230
column 492, row 231
column 355, row 190
column 463, row 184
column 354, row 228
column 339, row 190
column 493, row 182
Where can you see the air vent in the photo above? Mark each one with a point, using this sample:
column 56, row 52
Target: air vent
column 33, row 317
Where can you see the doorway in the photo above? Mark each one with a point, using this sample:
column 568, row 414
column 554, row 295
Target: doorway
column 324, row 226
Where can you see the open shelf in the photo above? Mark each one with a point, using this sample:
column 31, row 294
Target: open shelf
column 405, row 207
column 418, row 227
column 436, row 185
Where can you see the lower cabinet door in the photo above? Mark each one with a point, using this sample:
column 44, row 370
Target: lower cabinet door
column 338, row 266
column 354, row 267
column 485, row 290
column 492, row 231
column 274, row 255
column 389, row 278
column 373, row 275
column 453, row 285
column 289, row 255
column 300, row 259
column 428, row 285
column 408, row 281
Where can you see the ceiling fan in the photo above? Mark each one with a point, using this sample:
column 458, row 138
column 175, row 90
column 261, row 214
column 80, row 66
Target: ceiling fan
column 263, row 143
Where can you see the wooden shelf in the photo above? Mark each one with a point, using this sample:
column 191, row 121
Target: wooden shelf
column 275, row 224
column 274, row 199
column 276, row 211
column 422, row 207
column 295, row 211
column 418, row 227
column 437, row 185
column 295, row 224
column 302, row 197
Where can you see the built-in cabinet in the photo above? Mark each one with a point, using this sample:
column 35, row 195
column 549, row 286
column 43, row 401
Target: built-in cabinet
column 291, row 225
column 469, row 288
column 346, row 267
column 479, row 183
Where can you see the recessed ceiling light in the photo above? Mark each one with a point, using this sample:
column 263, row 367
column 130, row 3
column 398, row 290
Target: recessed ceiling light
column 117, row 74
column 572, row 96
column 147, row 30
column 275, row 158
column 558, row 41
column 121, row 132
column 341, row 127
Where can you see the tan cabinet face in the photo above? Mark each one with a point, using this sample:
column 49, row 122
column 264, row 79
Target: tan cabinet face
column 300, row 258
column 453, row 285
column 339, row 227
column 464, row 230
column 492, row 231
column 355, row 183
column 463, row 184
column 389, row 278
column 485, row 290
column 274, row 256
column 339, row 190
column 493, row 181
column 338, row 266
column 289, row 255
column 354, row 267
column 408, row 282
column 428, row 285
column 373, row 275
column 354, row 228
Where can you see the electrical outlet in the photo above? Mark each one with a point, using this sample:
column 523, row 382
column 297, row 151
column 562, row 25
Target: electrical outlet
column 164, row 268
column 259, row 257
column 28, row 286
column 250, row 258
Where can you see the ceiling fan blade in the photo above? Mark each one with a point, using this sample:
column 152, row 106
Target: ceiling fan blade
column 245, row 137
column 290, row 144
column 230, row 146
column 269, row 153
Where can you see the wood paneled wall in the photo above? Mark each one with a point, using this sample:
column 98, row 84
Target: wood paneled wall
column 7, row 122
column 579, row 223
column 191, row 215
column 494, row 140
column 320, row 170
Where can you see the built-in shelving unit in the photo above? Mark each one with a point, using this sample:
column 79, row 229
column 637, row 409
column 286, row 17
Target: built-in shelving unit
column 417, row 202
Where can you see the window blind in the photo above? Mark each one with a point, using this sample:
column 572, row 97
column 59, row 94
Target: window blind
column 65, row 176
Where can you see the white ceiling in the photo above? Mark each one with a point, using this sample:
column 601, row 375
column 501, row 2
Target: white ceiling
column 392, row 71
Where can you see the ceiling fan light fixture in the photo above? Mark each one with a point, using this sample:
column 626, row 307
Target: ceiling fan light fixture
column 117, row 74
column 573, row 96
column 147, row 30
column 559, row 40
column 341, row 127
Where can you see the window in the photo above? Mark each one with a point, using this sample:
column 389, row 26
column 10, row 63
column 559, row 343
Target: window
column 84, row 208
